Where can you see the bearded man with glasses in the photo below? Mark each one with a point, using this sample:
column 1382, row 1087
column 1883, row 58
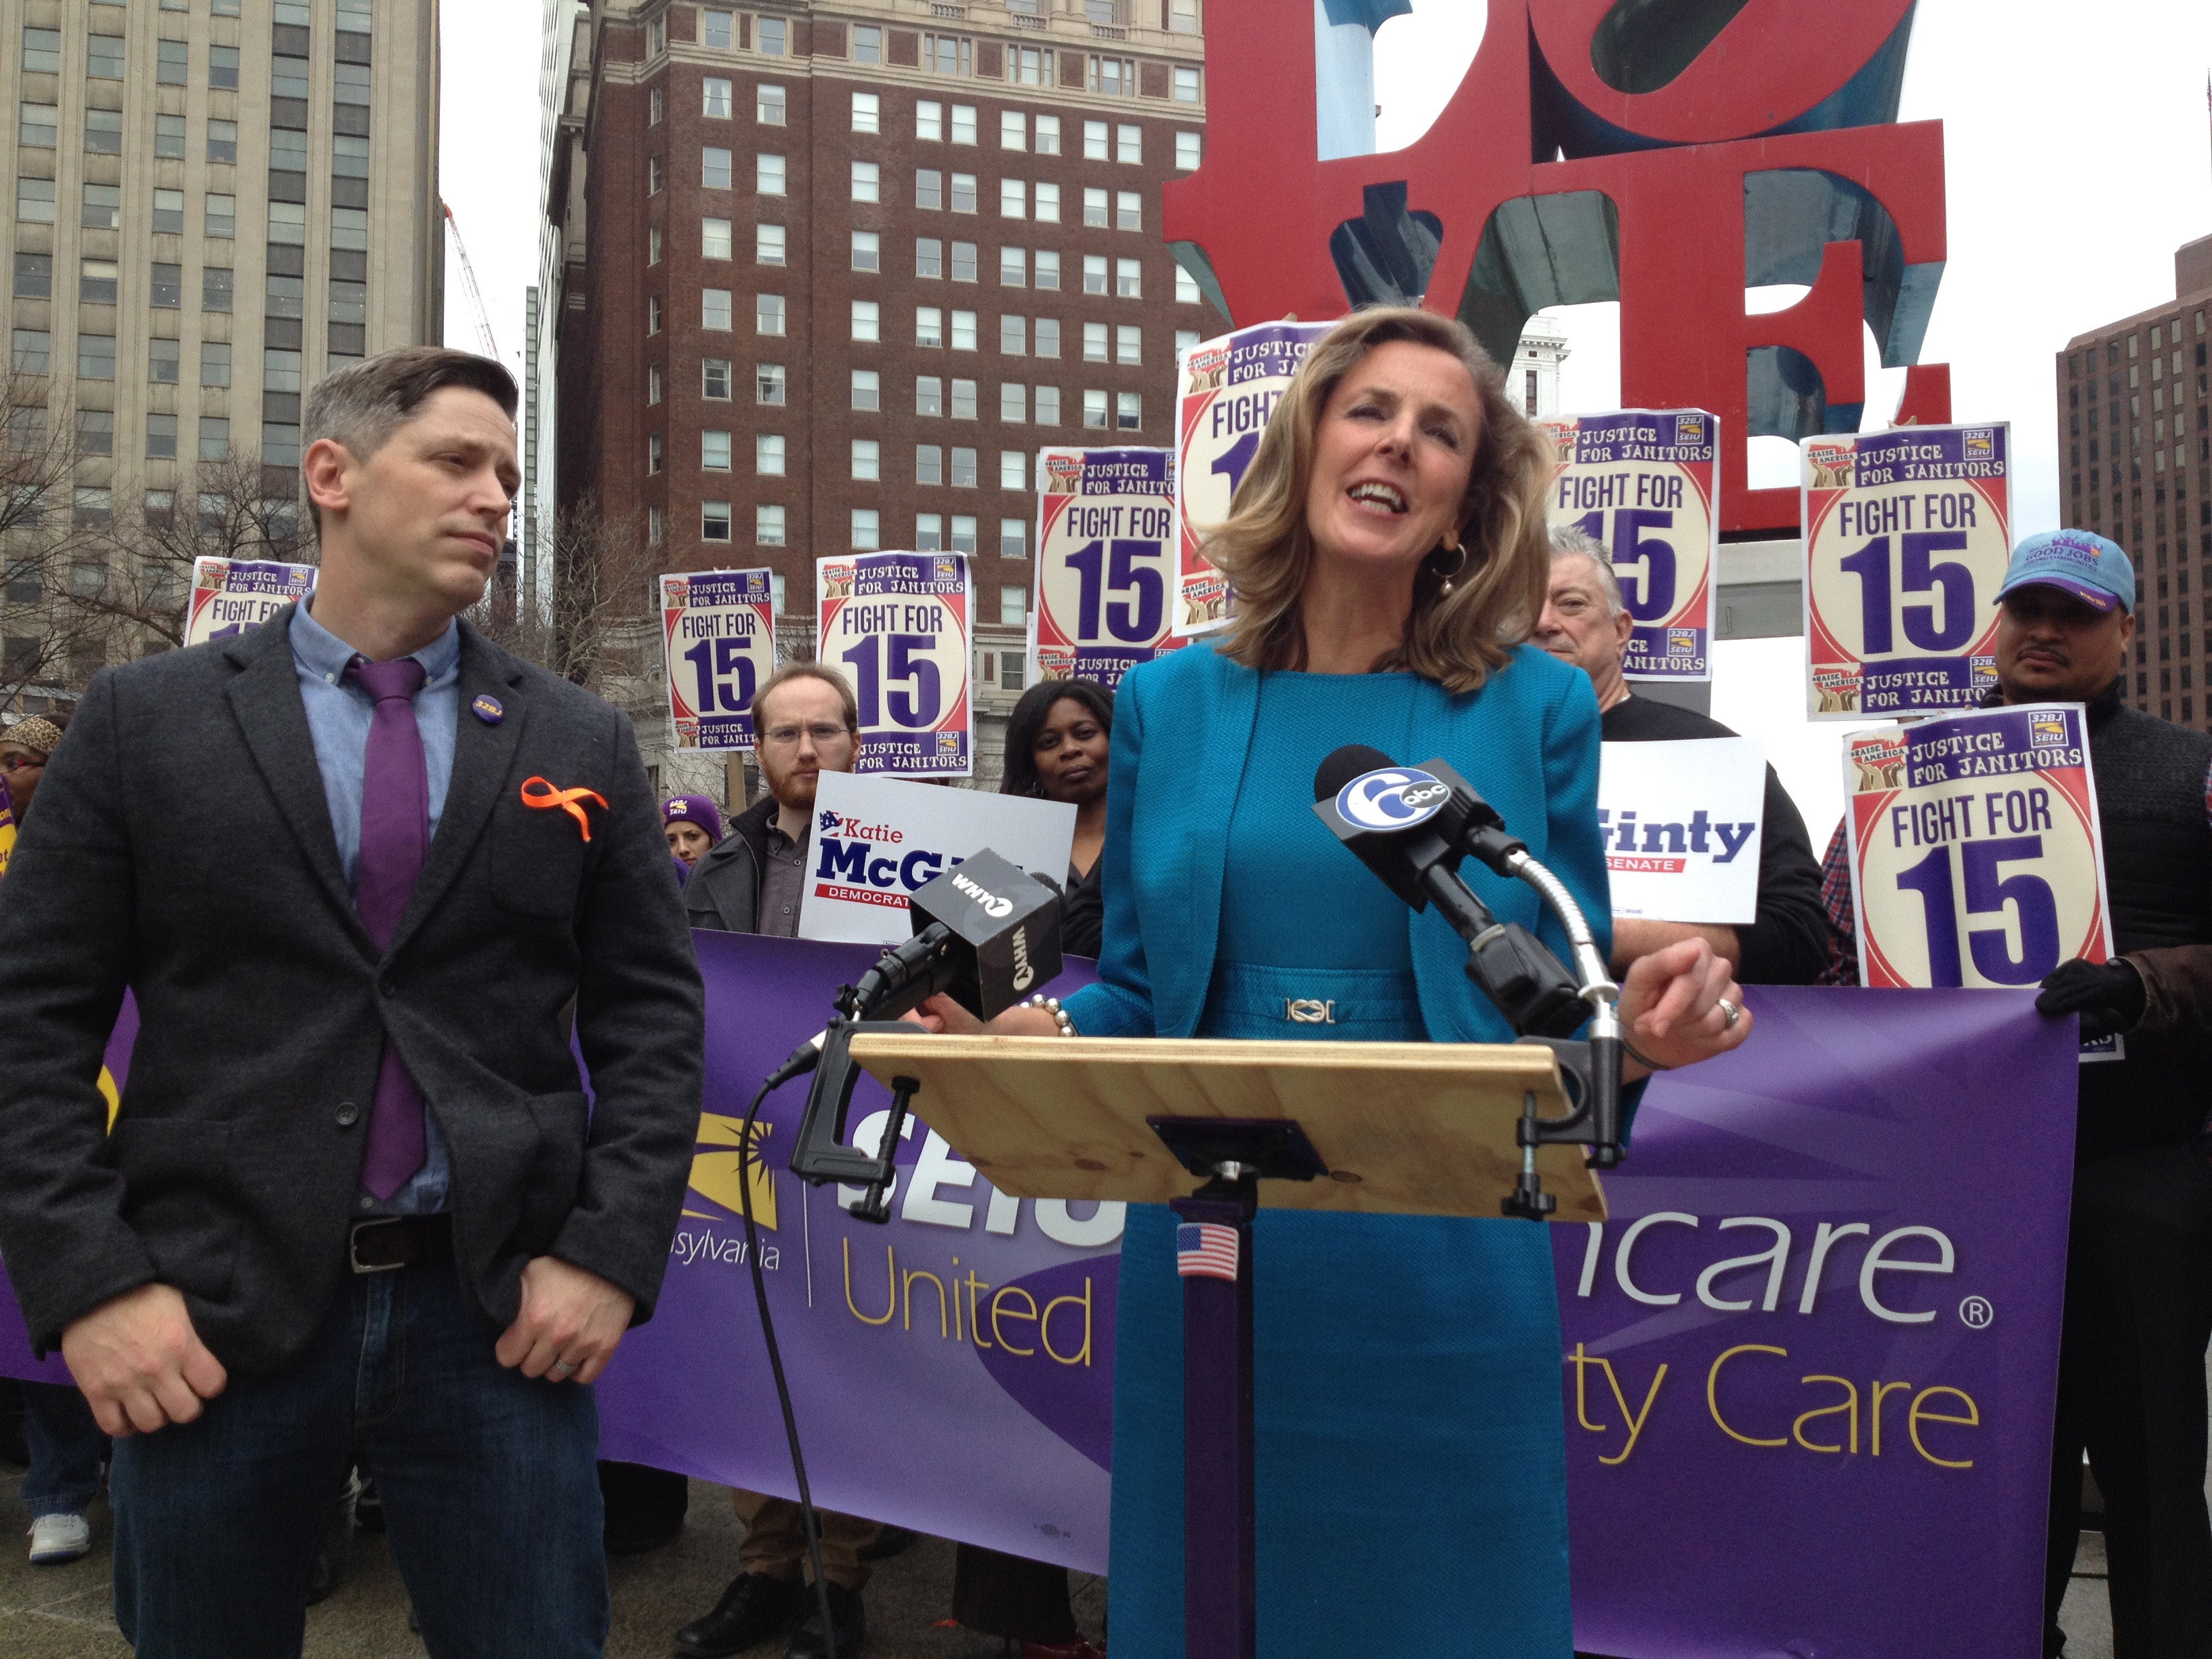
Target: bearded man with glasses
column 750, row 881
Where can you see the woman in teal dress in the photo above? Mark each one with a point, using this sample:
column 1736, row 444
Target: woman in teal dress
column 1388, row 551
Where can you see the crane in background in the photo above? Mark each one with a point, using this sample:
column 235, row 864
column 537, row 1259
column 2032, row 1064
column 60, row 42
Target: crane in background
column 490, row 346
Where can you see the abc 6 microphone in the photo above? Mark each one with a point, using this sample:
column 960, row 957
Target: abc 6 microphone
column 1412, row 825
column 985, row 932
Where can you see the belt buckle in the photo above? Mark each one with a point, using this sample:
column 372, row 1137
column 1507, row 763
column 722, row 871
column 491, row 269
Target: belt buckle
column 353, row 1247
column 1309, row 1011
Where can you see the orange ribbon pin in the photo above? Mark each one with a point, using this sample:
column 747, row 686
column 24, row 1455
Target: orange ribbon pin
column 549, row 797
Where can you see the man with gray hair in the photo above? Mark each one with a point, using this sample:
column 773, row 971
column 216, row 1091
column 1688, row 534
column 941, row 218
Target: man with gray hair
column 1585, row 623
column 365, row 873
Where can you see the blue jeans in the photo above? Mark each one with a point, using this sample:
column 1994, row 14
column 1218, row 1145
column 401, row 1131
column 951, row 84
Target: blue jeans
column 66, row 1447
column 491, row 1497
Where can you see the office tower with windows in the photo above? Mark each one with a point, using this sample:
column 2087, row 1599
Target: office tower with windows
column 833, row 274
column 216, row 201
column 2135, row 455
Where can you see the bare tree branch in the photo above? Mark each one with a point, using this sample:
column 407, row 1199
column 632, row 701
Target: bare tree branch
column 597, row 624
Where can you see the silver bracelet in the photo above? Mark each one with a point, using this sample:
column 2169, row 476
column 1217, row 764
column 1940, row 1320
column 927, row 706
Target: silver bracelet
column 1051, row 1005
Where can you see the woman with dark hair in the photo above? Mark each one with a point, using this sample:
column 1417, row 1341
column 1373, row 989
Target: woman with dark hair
column 1056, row 749
column 1388, row 555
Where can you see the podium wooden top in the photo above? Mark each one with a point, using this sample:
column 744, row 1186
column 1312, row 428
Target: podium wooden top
column 1406, row 1128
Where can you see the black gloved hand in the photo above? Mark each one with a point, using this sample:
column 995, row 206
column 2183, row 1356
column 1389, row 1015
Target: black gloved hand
column 2109, row 996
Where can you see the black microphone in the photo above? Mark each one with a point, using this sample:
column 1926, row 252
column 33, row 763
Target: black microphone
column 1412, row 825
column 985, row 932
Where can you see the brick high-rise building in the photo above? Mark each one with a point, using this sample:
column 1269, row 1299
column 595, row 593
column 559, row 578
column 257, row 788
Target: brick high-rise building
column 2133, row 398
column 835, row 273
column 216, row 201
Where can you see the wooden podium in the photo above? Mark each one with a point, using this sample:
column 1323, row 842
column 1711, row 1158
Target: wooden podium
column 1217, row 1129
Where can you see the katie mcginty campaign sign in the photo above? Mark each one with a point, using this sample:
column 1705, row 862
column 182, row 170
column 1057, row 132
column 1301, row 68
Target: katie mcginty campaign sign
column 1681, row 822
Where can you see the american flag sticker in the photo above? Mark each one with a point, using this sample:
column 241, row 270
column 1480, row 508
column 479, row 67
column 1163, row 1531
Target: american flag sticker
column 1206, row 1250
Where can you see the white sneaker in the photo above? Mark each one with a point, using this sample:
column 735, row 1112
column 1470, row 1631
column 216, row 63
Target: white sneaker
column 58, row 1539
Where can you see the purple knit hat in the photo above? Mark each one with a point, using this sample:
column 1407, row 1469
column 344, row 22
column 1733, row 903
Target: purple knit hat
column 694, row 809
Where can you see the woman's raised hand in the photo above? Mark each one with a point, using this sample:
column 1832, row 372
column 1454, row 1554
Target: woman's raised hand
column 1682, row 1005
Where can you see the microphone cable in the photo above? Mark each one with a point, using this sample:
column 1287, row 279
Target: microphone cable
column 750, row 1159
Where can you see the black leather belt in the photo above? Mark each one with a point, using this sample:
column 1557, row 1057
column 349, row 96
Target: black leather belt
column 399, row 1240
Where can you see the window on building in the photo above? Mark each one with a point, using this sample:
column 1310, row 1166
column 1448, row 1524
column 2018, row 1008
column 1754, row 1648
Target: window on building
column 867, row 390
column 34, row 276
column 714, row 521
column 1014, row 469
column 216, row 289
column 867, row 112
column 867, row 44
column 222, row 68
column 1190, row 150
column 867, row 251
column 768, row 242
column 1013, row 605
column 963, row 400
column 652, row 313
column 215, row 362
column 715, row 308
column 166, row 288
column 1048, row 269
column 1013, row 539
column 102, row 208
column 1183, row 16
column 95, row 356
column 768, row 105
column 928, row 532
column 38, row 126
column 718, row 29
column 171, row 62
column 1129, row 145
column 656, row 531
column 715, row 168
column 653, row 108
column 652, row 454
column 928, row 188
column 215, row 437
column 929, row 464
column 288, row 223
column 1013, row 129
column 1045, row 203
column 1185, row 339
column 867, row 320
column 1048, row 135
column 31, row 352
column 1014, row 336
column 767, row 454
column 1095, row 142
column 767, row 175
column 1114, row 76
column 220, row 218
column 963, row 192
column 160, row 437
column 963, row 538
column 1029, row 66
column 964, row 330
column 103, row 57
column 1095, row 409
column 867, row 460
column 91, row 507
column 1014, row 199
column 1095, row 215
column 928, row 395
column 929, row 257
column 963, row 469
column 1187, row 290
column 652, row 244
column 928, row 327
column 1128, row 279
column 287, row 76
column 964, row 262
column 1129, row 411
column 34, row 201
column 97, row 282
column 714, row 452
column 1128, row 344
column 1048, row 337
column 42, row 51
column 1013, row 267
column 769, row 384
column 716, row 101
column 867, row 534
column 1096, row 344
column 767, row 314
column 1128, row 209
column 652, row 175
column 1185, row 85
column 103, row 132
column 774, row 36
column 653, row 386
column 168, row 213
column 867, row 182
column 1013, row 402
column 948, row 54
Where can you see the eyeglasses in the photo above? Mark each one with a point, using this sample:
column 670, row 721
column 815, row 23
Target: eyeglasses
column 822, row 731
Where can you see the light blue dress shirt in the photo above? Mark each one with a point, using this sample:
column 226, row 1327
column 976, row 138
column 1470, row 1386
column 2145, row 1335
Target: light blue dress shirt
column 338, row 716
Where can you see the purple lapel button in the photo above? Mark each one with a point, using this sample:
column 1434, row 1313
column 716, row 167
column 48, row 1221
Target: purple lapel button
column 487, row 708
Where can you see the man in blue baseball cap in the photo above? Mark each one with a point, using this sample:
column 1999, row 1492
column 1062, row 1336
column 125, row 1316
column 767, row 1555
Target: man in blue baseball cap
column 2139, row 1260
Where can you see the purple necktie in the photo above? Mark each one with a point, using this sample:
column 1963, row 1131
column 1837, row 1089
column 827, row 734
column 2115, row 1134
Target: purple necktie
column 395, row 835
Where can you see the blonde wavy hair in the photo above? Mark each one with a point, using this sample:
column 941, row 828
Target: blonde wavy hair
column 1454, row 637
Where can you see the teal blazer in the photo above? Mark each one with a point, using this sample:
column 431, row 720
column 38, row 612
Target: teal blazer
column 1528, row 740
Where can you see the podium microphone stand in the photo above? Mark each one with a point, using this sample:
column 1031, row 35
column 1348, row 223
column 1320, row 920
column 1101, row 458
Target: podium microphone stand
column 1217, row 1130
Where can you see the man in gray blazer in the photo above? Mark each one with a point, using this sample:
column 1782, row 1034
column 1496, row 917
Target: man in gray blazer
column 365, row 873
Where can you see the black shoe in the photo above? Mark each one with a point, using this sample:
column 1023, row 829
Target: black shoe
column 645, row 1507
column 891, row 1540
column 752, row 1609
column 849, row 1625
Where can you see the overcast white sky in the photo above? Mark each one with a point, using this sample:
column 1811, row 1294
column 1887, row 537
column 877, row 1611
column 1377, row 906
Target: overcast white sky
column 2079, row 156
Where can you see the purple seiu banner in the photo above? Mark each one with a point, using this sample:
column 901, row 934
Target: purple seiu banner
column 911, row 1407
column 1844, row 1462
